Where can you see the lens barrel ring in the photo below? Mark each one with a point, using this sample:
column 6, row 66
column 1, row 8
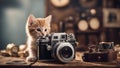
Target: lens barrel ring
column 57, row 54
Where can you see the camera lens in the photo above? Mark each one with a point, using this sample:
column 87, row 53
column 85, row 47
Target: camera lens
column 66, row 52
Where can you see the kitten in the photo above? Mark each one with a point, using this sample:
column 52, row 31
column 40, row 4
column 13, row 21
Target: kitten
column 36, row 27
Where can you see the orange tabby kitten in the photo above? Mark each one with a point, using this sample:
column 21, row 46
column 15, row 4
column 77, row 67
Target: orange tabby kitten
column 36, row 27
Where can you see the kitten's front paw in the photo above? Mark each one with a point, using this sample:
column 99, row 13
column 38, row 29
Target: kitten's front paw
column 31, row 59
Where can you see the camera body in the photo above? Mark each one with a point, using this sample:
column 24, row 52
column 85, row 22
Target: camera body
column 57, row 46
column 103, row 52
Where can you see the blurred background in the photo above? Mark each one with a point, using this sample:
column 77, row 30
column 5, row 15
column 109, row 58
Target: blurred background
column 13, row 17
column 92, row 21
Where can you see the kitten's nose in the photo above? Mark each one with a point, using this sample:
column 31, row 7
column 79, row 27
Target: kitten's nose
column 42, row 33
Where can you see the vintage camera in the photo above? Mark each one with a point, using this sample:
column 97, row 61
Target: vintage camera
column 57, row 46
column 103, row 52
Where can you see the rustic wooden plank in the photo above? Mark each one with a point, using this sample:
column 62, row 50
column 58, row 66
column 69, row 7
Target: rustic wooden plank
column 5, row 62
column 75, row 64
column 13, row 62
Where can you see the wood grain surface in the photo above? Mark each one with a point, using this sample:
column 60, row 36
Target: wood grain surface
column 15, row 62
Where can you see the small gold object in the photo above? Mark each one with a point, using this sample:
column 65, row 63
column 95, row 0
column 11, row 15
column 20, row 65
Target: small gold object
column 12, row 50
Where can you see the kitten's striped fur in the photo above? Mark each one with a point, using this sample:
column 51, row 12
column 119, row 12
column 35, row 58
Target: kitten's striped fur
column 36, row 27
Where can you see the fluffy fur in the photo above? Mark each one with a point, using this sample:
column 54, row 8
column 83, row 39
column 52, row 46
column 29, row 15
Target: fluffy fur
column 35, row 27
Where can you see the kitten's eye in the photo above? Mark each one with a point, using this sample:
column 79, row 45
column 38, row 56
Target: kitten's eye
column 38, row 29
column 45, row 29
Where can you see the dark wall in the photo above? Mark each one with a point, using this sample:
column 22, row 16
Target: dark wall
column 68, row 18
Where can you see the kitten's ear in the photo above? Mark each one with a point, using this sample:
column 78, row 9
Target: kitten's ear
column 30, row 19
column 48, row 19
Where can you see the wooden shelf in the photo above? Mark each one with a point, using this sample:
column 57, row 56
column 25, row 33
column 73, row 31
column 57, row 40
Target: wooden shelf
column 88, row 32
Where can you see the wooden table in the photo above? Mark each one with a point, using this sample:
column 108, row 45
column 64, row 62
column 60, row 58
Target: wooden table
column 76, row 64
column 7, row 62
column 12, row 62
